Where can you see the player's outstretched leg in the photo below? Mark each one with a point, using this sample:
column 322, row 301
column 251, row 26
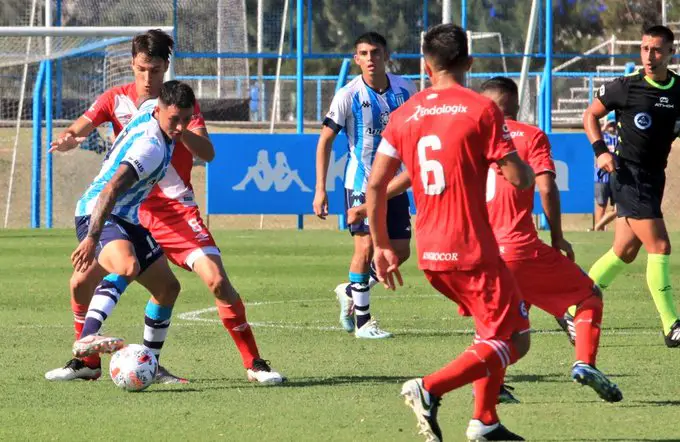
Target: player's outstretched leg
column 160, row 281
column 587, row 324
column 480, row 359
column 232, row 313
column 105, row 298
column 82, row 285
column 118, row 257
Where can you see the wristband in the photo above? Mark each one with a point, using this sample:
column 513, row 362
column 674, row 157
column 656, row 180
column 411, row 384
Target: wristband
column 599, row 147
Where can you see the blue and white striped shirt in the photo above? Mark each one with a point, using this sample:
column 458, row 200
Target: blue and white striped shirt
column 364, row 113
column 142, row 146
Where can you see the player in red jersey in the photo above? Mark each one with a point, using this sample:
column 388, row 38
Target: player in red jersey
column 447, row 136
column 170, row 213
column 547, row 279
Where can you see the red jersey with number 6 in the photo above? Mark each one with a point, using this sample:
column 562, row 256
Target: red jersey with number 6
column 447, row 138
column 510, row 208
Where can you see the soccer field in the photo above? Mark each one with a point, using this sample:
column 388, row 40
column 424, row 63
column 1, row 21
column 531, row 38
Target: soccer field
column 339, row 388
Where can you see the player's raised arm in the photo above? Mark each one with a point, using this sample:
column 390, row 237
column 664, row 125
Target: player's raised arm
column 122, row 180
column 73, row 135
column 196, row 137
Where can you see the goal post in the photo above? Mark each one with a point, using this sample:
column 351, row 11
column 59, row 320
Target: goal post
column 94, row 58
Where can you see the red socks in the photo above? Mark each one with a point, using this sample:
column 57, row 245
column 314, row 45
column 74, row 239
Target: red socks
column 587, row 323
column 234, row 319
column 79, row 312
column 479, row 360
column 486, row 397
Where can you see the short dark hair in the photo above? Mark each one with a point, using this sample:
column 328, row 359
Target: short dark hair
column 446, row 46
column 372, row 38
column 660, row 31
column 153, row 43
column 176, row 93
column 500, row 84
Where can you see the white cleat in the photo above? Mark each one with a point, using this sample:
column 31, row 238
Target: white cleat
column 371, row 330
column 425, row 407
column 93, row 344
column 73, row 370
column 346, row 307
column 261, row 372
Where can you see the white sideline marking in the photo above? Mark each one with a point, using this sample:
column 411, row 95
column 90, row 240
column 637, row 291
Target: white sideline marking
column 195, row 316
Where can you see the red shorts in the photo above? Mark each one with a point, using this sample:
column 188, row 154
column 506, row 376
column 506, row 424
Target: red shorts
column 490, row 295
column 550, row 281
column 180, row 232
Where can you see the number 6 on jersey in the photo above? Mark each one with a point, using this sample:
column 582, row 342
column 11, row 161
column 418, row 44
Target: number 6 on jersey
column 434, row 166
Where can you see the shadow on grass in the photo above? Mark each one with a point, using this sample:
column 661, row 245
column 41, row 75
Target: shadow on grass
column 227, row 383
column 552, row 377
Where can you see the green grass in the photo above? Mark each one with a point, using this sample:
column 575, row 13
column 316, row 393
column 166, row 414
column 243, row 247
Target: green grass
column 339, row 388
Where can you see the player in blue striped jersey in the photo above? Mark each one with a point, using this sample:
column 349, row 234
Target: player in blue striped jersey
column 107, row 222
column 362, row 109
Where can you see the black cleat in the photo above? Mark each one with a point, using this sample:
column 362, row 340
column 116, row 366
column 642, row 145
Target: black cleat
column 566, row 323
column 672, row 339
column 506, row 397
column 478, row 432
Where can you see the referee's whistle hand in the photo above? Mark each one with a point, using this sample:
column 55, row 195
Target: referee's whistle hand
column 606, row 162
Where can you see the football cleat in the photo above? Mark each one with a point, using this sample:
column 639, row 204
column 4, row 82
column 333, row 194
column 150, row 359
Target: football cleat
column 672, row 339
column 261, row 372
column 73, row 370
column 505, row 396
column 585, row 374
column 346, row 307
column 425, row 407
column 371, row 330
column 566, row 323
column 92, row 344
column 477, row 431
column 163, row 376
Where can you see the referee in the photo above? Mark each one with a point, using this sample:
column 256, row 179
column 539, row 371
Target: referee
column 647, row 106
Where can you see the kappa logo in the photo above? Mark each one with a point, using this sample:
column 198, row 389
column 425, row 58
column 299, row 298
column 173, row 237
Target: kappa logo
column 365, row 104
column 444, row 109
column 281, row 176
column 643, row 120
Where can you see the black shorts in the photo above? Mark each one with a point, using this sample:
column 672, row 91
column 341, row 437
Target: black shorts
column 603, row 194
column 115, row 228
column 638, row 192
column 398, row 214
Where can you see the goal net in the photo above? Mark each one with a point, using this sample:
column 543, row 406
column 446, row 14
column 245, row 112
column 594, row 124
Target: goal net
column 83, row 67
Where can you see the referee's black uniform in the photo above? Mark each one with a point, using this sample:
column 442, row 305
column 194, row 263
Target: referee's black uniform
column 648, row 118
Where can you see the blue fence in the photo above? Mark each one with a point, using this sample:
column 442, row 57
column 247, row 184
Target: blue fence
column 275, row 174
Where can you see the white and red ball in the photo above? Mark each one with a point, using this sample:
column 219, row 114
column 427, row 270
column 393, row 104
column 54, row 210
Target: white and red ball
column 133, row 368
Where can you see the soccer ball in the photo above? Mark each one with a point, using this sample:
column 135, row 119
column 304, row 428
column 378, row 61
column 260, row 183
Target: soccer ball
column 133, row 368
